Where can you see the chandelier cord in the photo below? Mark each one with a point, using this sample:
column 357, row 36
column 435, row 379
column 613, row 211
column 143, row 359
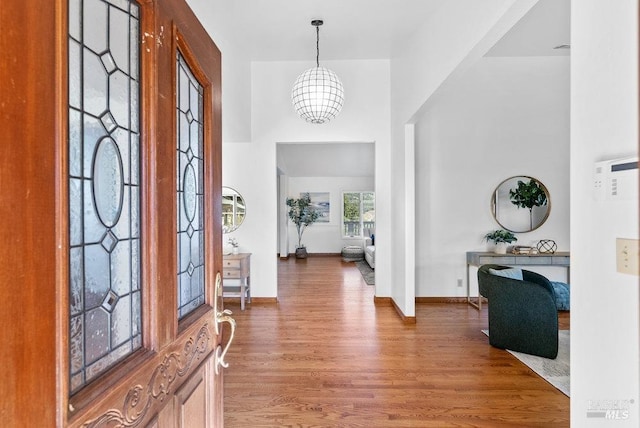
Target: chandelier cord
column 317, row 46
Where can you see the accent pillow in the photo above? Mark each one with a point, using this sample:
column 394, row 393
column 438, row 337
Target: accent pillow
column 513, row 273
column 373, row 239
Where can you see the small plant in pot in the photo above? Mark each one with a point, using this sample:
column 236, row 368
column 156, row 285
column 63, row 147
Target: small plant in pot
column 500, row 238
column 302, row 214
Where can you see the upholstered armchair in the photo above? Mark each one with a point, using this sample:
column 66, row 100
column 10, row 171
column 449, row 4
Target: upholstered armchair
column 522, row 313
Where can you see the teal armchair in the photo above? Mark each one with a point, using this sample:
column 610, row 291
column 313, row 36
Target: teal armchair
column 522, row 313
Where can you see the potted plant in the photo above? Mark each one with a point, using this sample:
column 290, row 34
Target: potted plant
column 302, row 214
column 500, row 238
column 528, row 195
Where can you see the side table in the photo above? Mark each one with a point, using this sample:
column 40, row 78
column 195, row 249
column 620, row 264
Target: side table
column 237, row 266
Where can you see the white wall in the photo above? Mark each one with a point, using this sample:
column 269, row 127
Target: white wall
column 450, row 39
column 251, row 168
column 326, row 237
column 604, row 125
column 236, row 72
column 504, row 117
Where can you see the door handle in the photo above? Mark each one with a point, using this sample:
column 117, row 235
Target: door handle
column 222, row 317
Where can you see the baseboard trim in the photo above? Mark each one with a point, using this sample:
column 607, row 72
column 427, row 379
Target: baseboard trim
column 258, row 300
column 310, row 255
column 441, row 300
column 388, row 301
column 382, row 301
column 405, row 319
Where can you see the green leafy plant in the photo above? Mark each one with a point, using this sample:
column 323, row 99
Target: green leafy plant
column 302, row 214
column 528, row 195
column 501, row 235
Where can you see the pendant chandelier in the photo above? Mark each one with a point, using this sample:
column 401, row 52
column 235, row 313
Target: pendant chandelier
column 317, row 95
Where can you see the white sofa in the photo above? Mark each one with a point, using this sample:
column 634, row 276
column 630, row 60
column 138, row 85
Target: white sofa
column 370, row 252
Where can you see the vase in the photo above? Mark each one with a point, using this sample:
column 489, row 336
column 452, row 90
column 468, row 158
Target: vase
column 235, row 250
column 301, row 253
column 501, row 248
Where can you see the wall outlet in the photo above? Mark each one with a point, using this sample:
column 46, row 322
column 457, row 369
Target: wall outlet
column 627, row 253
column 459, row 282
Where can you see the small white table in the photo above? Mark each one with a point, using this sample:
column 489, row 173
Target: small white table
column 478, row 258
column 237, row 267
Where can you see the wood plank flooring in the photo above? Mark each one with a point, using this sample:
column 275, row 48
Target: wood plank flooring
column 325, row 356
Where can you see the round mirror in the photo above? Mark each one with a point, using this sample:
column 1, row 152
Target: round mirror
column 233, row 210
column 521, row 204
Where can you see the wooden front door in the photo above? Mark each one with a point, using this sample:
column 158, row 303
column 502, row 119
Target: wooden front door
column 110, row 187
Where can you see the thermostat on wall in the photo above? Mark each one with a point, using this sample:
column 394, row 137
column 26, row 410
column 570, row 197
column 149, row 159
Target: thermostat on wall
column 616, row 180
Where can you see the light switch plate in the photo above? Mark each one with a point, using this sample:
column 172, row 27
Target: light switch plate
column 627, row 253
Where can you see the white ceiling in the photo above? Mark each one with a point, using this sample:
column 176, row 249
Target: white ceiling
column 280, row 30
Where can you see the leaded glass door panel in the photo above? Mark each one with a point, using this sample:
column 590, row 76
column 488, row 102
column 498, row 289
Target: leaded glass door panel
column 142, row 169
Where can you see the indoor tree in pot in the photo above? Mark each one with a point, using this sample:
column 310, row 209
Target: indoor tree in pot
column 302, row 214
column 500, row 238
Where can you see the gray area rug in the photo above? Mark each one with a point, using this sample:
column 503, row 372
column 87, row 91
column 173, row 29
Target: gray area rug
column 556, row 371
column 368, row 274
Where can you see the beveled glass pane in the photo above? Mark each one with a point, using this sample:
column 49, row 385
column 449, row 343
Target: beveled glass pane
column 135, row 212
column 121, row 269
column 95, row 34
column 76, row 278
column 183, row 94
column 135, row 313
column 75, row 70
column 121, row 138
column 108, row 182
column 93, row 132
column 104, row 208
column 122, row 228
column 75, row 143
column 135, row 159
column 135, row 266
column 95, row 84
column 133, row 44
column 119, row 98
column 189, row 192
column 75, row 212
column 121, row 321
column 74, row 19
column 97, row 335
column 76, row 347
column 119, row 38
column 134, row 107
column 184, row 133
column 96, row 287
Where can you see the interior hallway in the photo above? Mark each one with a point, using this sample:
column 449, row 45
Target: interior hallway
column 325, row 356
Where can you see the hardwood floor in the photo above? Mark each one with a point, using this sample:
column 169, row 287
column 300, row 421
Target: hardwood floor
column 325, row 356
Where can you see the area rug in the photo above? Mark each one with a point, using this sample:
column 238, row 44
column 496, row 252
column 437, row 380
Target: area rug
column 556, row 372
column 368, row 274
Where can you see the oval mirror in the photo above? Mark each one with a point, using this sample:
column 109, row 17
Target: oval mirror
column 521, row 204
column 233, row 210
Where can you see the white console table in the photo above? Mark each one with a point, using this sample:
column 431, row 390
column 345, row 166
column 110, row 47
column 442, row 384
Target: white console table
column 237, row 266
column 478, row 258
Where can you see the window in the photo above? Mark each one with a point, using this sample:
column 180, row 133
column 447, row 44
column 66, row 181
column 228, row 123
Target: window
column 358, row 214
column 104, row 179
column 190, row 165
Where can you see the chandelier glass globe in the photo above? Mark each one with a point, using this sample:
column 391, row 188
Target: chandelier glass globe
column 317, row 95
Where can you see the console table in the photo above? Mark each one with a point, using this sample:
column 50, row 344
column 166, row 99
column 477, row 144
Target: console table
column 478, row 258
column 237, row 266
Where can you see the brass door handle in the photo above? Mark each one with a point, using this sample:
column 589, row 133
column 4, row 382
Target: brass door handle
column 222, row 317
